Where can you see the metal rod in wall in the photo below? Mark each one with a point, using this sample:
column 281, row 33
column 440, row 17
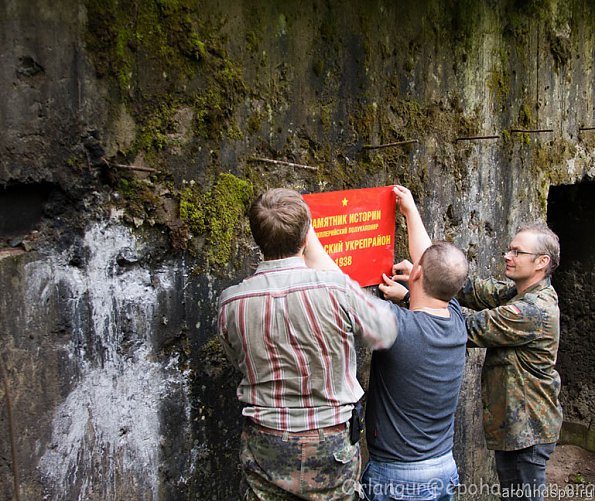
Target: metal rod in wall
column 282, row 162
column 476, row 138
column 388, row 145
column 531, row 131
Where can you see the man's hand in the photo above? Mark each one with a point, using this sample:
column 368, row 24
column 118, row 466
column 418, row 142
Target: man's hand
column 392, row 290
column 405, row 201
column 402, row 270
column 419, row 239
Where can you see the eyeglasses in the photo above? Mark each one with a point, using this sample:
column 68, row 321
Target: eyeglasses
column 516, row 252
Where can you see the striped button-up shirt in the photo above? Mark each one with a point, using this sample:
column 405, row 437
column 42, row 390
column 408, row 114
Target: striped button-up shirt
column 290, row 330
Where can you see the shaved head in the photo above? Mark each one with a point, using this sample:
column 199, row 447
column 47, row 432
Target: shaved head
column 445, row 270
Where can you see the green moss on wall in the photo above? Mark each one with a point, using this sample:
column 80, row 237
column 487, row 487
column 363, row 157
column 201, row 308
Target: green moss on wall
column 499, row 79
column 525, row 120
column 167, row 55
column 465, row 24
column 138, row 198
column 162, row 55
column 216, row 214
column 191, row 209
column 120, row 35
column 213, row 356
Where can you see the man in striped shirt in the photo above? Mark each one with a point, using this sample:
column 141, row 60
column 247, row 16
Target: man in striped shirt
column 290, row 329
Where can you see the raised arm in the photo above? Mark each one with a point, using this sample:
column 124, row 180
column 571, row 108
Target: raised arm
column 315, row 256
column 417, row 235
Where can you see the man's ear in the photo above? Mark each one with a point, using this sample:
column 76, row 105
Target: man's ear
column 304, row 245
column 542, row 262
column 416, row 273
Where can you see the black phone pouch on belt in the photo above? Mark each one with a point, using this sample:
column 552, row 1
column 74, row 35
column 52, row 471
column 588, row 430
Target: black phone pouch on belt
column 356, row 423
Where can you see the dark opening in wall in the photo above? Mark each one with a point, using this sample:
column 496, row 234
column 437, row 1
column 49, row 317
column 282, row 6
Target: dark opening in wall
column 571, row 214
column 22, row 207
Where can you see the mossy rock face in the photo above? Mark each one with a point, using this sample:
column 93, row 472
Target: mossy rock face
column 161, row 34
column 138, row 197
column 216, row 214
column 162, row 56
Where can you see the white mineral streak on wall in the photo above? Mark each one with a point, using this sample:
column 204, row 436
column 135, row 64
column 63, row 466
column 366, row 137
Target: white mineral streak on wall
column 106, row 432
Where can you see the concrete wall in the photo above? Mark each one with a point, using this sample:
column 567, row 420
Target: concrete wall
column 113, row 384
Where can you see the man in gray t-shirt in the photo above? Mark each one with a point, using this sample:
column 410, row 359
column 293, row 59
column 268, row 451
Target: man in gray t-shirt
column 414, row 384
column 414, row 387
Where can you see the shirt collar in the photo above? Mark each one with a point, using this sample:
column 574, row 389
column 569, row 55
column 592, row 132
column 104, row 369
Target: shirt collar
column 542, row 284
column 281, row 264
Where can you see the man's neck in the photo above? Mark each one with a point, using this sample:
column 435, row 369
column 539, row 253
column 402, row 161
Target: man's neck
column 423, row 302
column 299, row 254
column 523, row 285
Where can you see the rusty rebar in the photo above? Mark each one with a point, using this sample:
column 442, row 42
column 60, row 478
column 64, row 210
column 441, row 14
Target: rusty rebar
column 531, row 131
column 282, row 162
column 129, row 167
column 388, row 145
column 134, row 167
column 476, row 138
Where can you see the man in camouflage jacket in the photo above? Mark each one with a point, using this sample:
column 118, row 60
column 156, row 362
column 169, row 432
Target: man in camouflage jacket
column 520, row 327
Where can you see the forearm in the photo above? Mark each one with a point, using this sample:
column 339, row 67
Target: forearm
column 505, row 326
column 418, row 237
column 315, row 256
column 478, row 294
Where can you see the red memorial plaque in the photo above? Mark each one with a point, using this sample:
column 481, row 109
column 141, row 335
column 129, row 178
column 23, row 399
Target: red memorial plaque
column 356, row 228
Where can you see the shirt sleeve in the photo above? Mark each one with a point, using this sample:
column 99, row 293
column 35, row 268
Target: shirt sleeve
column 514, row 324
column 224, row 338
column 373, row 318
column 478, row 294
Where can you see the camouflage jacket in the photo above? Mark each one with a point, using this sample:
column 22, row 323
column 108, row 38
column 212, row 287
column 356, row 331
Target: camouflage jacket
column 520, row 386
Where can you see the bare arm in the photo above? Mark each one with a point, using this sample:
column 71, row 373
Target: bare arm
column 315, row 256
column 417, row 235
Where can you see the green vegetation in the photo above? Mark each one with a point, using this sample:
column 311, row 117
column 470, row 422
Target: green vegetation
column 138, row 197
column 167, row 56
column 213, row 355
column 499, row 78
column 525, row 121
column 156, row 50
column 216, row 214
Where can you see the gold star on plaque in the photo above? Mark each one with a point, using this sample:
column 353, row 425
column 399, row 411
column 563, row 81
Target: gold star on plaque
column 344, row 202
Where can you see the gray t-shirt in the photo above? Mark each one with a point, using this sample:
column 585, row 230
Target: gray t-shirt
column 414, row 387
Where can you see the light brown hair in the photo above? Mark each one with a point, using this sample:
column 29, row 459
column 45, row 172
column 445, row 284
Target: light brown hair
column 279, row 220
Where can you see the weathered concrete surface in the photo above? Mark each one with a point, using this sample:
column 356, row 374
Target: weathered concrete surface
column 117, row 386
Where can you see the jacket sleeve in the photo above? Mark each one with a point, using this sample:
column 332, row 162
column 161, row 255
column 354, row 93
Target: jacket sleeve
column 478, row 294
column 514, row 324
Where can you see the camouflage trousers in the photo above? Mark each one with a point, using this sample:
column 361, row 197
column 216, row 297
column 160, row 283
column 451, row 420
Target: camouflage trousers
column 315, row 465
